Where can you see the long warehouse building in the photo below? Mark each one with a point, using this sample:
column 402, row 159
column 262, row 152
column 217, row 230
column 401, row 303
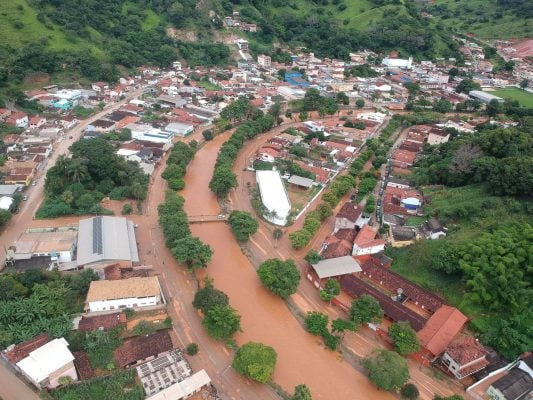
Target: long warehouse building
column 274, row 197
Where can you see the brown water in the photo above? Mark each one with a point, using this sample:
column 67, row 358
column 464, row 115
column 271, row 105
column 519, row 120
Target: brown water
column 265, row 318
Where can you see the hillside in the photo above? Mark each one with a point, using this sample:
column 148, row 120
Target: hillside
column 487, row 19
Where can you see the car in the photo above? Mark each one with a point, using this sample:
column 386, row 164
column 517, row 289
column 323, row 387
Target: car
column 221, row 216
column 24, row 197
column 34, row 183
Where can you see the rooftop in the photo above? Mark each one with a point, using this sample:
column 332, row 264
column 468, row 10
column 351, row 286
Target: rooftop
column 123, row 289
column 142, row 347
column 515, row 385
column 349, row 211
column 46, row 359
column 441, row 328
column 23, row 350
column 466, row 349
column 46, row 242
column 301, row 181
column 106, row 321
column 336, row 267
column 274, row 195
column 185, row 388
column 97, row 240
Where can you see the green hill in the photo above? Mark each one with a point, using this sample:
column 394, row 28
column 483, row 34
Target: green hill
column 487, row 19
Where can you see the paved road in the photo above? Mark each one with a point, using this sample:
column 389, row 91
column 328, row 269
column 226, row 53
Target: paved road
column 12, row 388
column 23, row 219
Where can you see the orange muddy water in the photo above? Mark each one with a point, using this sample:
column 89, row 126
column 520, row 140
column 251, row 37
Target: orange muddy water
column 265, row 318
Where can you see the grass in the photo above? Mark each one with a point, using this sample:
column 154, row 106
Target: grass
column 415, row 221
column 208, row 85
column 524, row 98
column 19, row 26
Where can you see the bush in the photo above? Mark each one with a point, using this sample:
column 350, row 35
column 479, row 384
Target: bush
column 192, row 349
column 409, row 392
column 242, row 224
column 144, row 328
column 208, row 135
column 256, row 361
column 127, row 209
column 281, row 277
column 299, row 239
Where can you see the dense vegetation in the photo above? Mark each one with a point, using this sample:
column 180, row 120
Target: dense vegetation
column 180, row 156
column 256, row 361
column 281, row 277
column 386, row 369
column 35, row 301
column 76, row 185
column 483, row 265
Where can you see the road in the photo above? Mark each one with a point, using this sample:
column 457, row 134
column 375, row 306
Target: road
column 12, row 388
column 35, row 194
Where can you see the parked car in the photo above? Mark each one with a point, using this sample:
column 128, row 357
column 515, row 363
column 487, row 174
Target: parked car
column 24, row 197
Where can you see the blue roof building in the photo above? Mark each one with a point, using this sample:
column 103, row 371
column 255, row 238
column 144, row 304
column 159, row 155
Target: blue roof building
column 295, row 79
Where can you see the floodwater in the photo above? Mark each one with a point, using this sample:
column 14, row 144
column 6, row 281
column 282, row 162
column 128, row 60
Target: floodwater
column 265, row 318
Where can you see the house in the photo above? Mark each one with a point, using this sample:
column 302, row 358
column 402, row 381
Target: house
column 366, row 243
column 349, row 217
column 464, row 356
column 331, row 268
column 58, row 244
column 98, row 245
column 18, row 119
column 437, row 136
column 517, row 384
column 124, row 293
column 143, row 348
column 46, row 365
column 433, row 229
column 179, row 129
column 101, row 322
column 340, row 244
column 15, row 353
column 401, row 236
column 103, row 125
column 185, row 388
column 36, row 122
column 440, row 330
column 164, row 371
column 264, row 60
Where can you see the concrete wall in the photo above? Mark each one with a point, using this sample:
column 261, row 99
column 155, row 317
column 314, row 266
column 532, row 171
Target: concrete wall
column 131, row 302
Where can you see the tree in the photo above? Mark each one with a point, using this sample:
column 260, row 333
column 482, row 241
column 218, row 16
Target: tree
column 208, row 297
column 208, row 135
column 332, row 289
column 360, row 103
column 324, row 210
column 11, row 288
column 443, row 106
column 467, row 85
column 342, row 98
column 524, row 84
column 409, row 392
column 493, row 108
column 243, row 224
column 281, row 277
column 126, row 209
column 223, row 180
column 313, row 257
column 370, row 205
column 256, row 361
column 316, row 323
column 221, row 321
column 340, row 326
column 404, row 338
column 365, row 310
column 386, row 369
column 192, row 251
column 304, row 116
column 192, row 349
column 301, row 392
column 300, row 238
column 5, row 216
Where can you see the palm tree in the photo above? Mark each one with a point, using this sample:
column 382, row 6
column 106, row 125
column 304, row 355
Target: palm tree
column 77, row 170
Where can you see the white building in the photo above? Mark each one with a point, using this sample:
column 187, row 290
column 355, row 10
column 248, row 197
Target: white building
column 123, row 293
column 184, row 389
column 46, row 365
column 179, row 128
column 264, row 60
column 484, row 97
column 57, row 243
column 366, row 243
column 104, row 240
column 149, row 133
column 5, row 202
column 398, row 62
column 274, row 197
column 314, row 126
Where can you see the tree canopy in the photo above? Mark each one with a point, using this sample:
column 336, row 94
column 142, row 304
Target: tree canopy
column 208, row 297
column 243, row 225
column 404, row 338
column 386, row 369
column 192, row 251
column 366, row 309
column 256, row 361
column 281, row 277
column 221, row 321
column 301, row 392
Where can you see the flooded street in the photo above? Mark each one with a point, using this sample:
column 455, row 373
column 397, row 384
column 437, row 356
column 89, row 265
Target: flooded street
column 265, row 318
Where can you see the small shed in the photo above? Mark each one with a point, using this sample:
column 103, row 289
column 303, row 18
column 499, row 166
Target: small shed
column 331, row 268
column 301, row 182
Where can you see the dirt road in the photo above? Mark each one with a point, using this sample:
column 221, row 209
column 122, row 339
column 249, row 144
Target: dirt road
column 12, row 388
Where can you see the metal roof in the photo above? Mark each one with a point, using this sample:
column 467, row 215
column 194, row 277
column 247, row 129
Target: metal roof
column 106, row 239
column 301, row 181
column 336, row 267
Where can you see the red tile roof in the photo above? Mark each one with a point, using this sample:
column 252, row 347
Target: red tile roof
column 367, row 237
column 441, row 328
column 337, row 248
column 396, row 311
column 392, row 282
column 321, row 174
column 23, row 350
column 106, row 321
column 466, row 349
column 346, row 234
column 142, row 347
column 83, row 367
column 349, row 211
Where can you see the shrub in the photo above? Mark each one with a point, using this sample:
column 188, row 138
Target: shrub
column 256, row 361
column 192, row 349
column 127, row 209
column 144, row 328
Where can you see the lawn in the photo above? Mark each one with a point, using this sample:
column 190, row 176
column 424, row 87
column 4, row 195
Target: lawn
column 208, row 85
column 415, row 221
column 524, row 98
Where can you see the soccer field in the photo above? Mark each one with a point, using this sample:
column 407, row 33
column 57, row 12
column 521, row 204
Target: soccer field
column 524, row 98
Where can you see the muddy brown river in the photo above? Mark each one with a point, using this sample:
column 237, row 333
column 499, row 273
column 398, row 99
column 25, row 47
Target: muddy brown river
column 265, row 318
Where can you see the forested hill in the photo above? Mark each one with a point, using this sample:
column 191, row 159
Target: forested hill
column 90, row 37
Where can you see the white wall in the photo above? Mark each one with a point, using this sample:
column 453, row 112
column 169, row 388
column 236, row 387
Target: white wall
column 367, row 250
column 131, row 302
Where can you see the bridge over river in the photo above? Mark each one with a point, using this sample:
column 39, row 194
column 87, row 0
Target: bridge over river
column 198, row 219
